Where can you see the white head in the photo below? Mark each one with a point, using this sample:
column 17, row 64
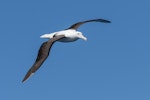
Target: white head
column 81, row 36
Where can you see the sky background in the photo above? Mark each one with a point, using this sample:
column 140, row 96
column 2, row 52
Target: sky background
column 114, row 64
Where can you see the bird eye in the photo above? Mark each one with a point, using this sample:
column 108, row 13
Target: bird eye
column 78, row 33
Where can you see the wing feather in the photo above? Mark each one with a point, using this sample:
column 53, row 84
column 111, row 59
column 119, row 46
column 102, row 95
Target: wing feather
column 77, row 25
column 42, row 55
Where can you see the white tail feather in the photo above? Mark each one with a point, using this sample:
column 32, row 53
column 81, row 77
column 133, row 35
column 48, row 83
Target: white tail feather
column 49, row 36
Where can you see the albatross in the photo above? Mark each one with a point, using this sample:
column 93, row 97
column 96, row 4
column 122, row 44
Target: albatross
column 68, row 35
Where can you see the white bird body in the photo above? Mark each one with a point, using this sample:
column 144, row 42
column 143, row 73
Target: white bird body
column 70, row 35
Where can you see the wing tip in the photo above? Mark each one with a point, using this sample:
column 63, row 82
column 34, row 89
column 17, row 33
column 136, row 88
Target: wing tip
column 104, row 21
column 27, row 77
column 23, row 80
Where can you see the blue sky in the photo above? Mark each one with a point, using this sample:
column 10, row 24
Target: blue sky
column 113, row 64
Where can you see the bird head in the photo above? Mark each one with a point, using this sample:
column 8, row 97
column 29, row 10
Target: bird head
column 81, row 36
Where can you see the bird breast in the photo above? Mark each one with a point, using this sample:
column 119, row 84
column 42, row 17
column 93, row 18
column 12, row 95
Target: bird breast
column 70, row 35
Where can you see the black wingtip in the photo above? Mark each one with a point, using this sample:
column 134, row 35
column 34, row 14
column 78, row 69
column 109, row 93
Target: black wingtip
column 103, row 20
column 27, row 76
column 23, row 81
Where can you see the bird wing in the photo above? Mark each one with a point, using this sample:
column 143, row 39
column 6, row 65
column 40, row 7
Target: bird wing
column 42, row 55
column 77, row 25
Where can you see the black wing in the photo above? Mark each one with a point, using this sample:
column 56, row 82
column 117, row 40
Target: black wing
column 42, row 55
column 77, row 25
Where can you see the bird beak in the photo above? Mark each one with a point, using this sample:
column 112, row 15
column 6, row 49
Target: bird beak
column 83, row 37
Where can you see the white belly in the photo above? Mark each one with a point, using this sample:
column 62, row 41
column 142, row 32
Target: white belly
column 68, row 39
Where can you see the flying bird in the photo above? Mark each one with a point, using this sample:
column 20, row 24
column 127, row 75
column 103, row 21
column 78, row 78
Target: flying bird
column 68, row 35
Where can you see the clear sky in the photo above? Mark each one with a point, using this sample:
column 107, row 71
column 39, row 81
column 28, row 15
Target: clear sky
column 114, row 64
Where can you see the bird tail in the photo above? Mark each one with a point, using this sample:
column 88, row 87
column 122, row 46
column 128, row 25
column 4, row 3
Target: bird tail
column 48, row 36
